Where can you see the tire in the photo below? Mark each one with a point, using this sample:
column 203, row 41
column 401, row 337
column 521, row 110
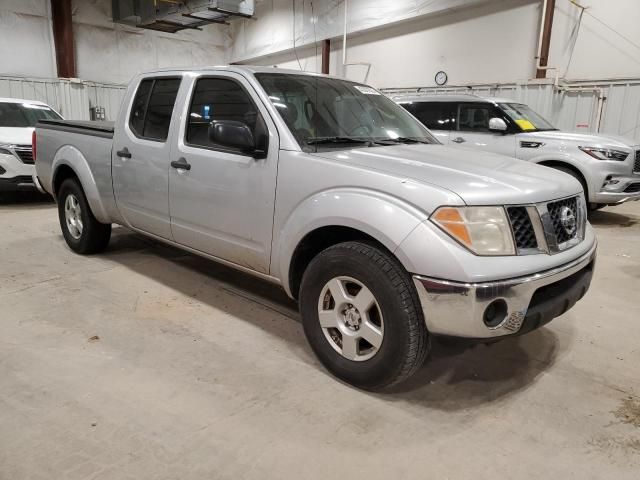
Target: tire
column 401, row 342
column 88, row 235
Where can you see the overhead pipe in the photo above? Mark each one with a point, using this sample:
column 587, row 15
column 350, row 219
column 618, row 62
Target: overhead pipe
column 344, row 48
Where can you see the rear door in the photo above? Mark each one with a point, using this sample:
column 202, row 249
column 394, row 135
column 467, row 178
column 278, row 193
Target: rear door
column 141, row 156
column 436, row 116
column 472, row 129
column 223, row 204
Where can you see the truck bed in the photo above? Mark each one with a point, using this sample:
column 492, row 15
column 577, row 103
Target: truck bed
column 97, row 129
column 85, row 147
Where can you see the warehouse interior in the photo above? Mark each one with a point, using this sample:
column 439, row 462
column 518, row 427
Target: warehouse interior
column 150, row 361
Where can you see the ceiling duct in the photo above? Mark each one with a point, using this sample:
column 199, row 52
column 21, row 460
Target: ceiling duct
column 172, row 16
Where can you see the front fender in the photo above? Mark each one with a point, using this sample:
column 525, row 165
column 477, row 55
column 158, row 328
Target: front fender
column 73, row 158
column 386, row 218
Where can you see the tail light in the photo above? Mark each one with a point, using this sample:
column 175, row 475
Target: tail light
column 33, row 145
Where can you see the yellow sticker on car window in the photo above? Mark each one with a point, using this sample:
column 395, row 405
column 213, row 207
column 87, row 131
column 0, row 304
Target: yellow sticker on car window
column 525, row 124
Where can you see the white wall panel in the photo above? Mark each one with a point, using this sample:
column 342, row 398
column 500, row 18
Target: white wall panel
column 25, row 39
column 105, row 52
column 605, row 44
column 72, row 99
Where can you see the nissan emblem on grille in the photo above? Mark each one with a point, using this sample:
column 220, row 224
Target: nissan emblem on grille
column 568, row 220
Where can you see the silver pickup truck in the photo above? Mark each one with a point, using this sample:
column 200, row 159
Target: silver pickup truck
column 331, row 190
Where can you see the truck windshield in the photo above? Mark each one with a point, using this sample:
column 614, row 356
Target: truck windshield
column 327, row 113
column 24, row 115
column 525, row 118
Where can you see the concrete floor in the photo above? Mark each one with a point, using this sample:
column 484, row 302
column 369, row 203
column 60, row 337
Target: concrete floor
column 146, row 362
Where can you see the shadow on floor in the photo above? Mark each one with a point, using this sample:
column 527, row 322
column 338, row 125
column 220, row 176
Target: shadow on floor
column 605, row 218
column 456, row 376
column 26, row 199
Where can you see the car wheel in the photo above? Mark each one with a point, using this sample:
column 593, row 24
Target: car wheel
column 362, row 316
column 82, row 232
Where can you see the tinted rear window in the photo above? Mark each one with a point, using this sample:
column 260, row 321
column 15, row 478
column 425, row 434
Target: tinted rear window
column 434, row 115
column 152, row 108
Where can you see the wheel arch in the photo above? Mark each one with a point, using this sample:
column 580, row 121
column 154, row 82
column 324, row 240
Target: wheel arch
column 70, row 163
column 338, row 216
column 573, row 168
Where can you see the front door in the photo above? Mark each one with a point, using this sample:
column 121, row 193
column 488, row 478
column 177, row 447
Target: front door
column 141, row 156
column 222, row 200
column 472, row 130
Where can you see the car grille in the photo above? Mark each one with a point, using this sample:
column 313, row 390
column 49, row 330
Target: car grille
column 633, row 188
column 523, row 232
column 636, row 164
column 25, row 153
column 563, row 234
column 560, row 225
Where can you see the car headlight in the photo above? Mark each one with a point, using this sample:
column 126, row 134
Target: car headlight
column 605, row 153
column 4, row 150
column 483, row 230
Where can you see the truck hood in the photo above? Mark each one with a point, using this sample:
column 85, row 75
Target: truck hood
column 15, row 136
column 478, row 178
column 583, row 139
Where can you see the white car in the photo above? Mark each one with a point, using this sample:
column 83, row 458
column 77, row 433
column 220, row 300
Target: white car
column 608, row 167
column 17, row 121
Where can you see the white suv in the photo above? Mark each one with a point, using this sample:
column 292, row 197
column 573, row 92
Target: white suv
column 17, row 121
column 608, row 167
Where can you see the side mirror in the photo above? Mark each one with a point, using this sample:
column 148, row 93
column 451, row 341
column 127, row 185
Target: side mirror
column 497, row 125
column 234, row 134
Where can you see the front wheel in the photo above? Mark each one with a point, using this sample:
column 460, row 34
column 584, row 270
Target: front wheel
column 82, row 232
column 362, row 317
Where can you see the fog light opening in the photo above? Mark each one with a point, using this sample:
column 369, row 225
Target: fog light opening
column 495, row 313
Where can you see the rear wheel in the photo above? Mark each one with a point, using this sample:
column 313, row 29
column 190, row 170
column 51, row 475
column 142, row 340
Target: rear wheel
column 82, row 232
column 362, row 316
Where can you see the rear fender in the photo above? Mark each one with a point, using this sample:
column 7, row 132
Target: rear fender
column 73, row 158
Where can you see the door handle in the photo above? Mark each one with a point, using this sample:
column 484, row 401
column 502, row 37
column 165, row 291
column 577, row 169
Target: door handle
column 124, row 153
column 458, row 140
column 181, row 164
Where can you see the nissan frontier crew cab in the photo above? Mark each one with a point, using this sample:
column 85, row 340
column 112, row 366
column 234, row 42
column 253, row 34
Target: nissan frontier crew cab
column 607, row 167
column 331, row 190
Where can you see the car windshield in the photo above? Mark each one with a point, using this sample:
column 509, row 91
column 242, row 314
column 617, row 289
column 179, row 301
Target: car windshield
column 525, row 118
column 23, row 115
column 327, row 113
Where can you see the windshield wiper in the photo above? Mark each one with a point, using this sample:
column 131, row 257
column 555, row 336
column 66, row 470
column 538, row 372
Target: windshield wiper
column 401, row 140
column 321, row 140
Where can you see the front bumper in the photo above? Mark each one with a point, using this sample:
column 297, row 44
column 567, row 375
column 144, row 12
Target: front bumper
column 14, row 174
column 458, row 309
column 19, row 183
column 618, row 189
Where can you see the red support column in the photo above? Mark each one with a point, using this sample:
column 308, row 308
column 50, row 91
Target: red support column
column 546, row 38
column 326, row 50
column 63, row 38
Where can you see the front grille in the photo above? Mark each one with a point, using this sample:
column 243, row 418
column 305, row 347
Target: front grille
column 522, row 228
column 633, row 188
column 636, row 164
column 25, row 152
column 557, row 211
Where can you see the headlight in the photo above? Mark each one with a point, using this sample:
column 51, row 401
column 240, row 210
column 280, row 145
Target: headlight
column 483, row 230
column 4, row 150
column 605, row 153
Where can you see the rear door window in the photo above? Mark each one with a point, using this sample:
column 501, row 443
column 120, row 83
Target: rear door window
column 152, row 108
column 474, row 117
column 434, row 115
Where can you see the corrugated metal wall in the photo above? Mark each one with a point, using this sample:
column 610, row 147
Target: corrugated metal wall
column 572, row 106
column 73, row 99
